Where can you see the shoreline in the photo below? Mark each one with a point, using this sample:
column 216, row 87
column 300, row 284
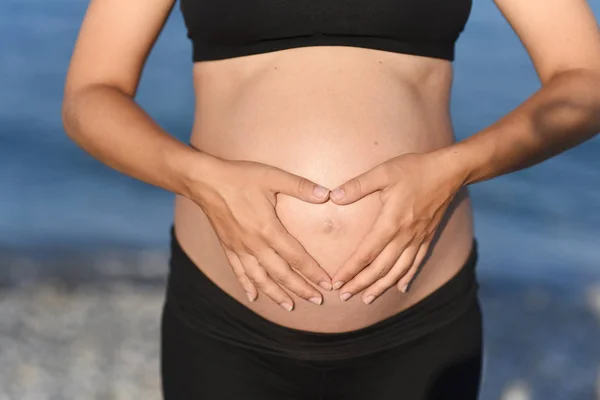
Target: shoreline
column 85, row 266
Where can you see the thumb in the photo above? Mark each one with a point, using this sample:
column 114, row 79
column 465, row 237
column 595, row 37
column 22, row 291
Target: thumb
column 298, row 187
column 360, row 186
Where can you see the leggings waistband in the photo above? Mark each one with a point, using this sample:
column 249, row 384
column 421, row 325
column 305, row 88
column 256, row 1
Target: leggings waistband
column 200, row 304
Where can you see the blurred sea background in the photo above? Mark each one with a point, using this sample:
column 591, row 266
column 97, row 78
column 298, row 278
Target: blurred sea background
column 83, row 249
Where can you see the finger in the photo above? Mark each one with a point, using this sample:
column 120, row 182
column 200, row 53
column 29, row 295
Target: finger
column 374, row 272
column 407, row 278
column 377, row 239
column 259, row 277
column 284, row 276
column 298, row 258
column 360, row 186
column 398, row 270
column 238, row 270
column 296, row 186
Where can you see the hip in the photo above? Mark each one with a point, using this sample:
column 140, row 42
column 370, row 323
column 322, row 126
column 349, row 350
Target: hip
column 202, row 307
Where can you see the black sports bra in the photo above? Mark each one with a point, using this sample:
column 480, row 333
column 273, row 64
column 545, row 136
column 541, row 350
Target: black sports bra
column 222, row 29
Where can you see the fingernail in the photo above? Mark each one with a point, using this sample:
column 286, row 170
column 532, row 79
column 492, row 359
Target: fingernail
column 369, row 299
column 325, row 285
column 249, row 296
column 286, row 305
column 338, row 284
column 345, row 296
column 320, row 191
column 404, row 288
column 316, row 300
column 337, row 194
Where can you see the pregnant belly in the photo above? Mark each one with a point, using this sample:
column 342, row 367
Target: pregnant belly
column 328, row 134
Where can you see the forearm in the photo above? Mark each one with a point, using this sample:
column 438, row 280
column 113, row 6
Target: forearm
column 111, row 127
column 562, row 114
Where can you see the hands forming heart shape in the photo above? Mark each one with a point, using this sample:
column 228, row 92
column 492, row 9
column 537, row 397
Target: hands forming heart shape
column 240, row 197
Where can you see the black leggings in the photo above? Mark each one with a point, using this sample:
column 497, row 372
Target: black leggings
column 215, row 348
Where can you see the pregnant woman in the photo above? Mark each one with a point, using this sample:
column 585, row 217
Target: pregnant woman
column 322, row 245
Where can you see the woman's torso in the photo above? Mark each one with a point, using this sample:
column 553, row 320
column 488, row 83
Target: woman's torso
column 328, row 114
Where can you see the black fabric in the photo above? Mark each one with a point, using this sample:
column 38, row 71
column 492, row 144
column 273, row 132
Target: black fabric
column 215, row 348
column 233, row 28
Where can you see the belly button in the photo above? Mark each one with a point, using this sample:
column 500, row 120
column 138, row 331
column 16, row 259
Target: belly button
column 328, row 226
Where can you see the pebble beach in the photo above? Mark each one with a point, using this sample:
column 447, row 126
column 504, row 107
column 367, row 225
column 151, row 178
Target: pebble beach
column 95, row 335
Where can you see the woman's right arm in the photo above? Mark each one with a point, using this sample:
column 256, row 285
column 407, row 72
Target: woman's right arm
column 99, row 112
column 100, row 115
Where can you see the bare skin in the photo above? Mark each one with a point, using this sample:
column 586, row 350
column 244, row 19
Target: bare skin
column 327, row 114
column 269, row 128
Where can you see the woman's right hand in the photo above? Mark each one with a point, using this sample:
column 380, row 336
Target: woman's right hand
column 239, row 199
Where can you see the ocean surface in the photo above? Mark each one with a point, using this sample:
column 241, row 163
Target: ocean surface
column 540, row 223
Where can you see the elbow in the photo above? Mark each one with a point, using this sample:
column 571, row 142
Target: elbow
column 583, row 85
column 72, row 98
column 67, row 114
column 75, row 101
column 81, row 104
column 590, row 79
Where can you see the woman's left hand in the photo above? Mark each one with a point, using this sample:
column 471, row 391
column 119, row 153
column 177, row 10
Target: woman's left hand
column 416, row 190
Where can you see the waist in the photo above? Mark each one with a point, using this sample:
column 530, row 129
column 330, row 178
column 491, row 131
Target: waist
column 199, row 303
column 330, row 234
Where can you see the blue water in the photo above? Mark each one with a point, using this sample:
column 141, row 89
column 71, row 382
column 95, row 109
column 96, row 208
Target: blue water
column 540, row 223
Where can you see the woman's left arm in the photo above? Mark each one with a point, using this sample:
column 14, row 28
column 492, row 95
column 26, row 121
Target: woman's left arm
column 563, row 40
